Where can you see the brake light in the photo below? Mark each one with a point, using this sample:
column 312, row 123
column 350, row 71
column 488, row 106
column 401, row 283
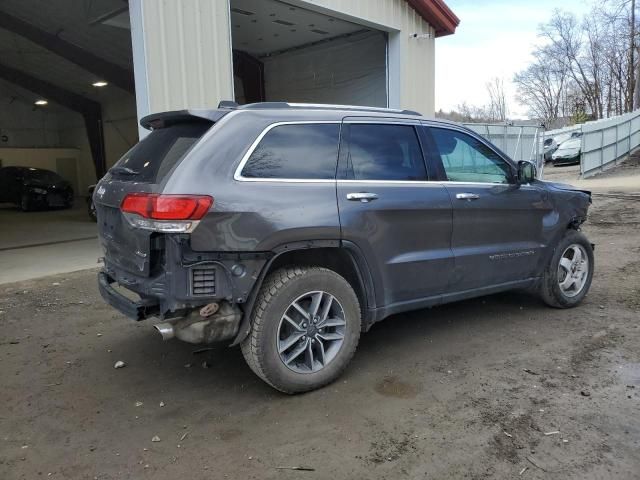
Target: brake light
column 165, row 213
column 167, row 207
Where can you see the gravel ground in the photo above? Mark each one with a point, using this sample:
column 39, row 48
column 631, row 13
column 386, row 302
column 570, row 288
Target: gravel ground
column 497, row 387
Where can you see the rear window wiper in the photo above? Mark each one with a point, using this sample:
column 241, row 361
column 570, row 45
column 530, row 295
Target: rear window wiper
column 124, row 171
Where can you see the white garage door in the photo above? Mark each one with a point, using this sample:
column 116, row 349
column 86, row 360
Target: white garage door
column 349, row 70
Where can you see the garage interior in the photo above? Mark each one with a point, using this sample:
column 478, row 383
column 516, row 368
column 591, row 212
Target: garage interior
column 67, row 104
column 286, row 53
column 68, row 100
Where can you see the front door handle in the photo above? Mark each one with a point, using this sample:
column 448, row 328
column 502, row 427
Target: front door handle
column 364, row 197
column 467, row 196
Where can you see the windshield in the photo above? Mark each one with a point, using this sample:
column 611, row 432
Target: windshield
column 45, row 176
column 151, row 159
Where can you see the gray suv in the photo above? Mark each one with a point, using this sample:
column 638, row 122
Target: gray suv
column 289, row 229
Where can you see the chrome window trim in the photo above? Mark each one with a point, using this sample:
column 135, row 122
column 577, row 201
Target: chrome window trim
column 237, row 176
column 418, row 182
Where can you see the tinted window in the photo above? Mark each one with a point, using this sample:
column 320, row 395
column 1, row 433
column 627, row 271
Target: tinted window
column 46, row 176
column 308, row 151
column 466, row 159
column 152, row 158
column 384, row 152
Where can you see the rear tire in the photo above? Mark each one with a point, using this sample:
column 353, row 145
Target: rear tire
column 567, row 278
column 297, row 352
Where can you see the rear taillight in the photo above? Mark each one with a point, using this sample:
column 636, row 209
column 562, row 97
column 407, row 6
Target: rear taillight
column 165, row 213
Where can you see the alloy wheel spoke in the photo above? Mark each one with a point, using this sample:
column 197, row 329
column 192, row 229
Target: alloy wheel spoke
column 315, row 304
column 321, row 350
column 309, row 355
column 301, row 309
column 565, row 263
column 326, row 308
column 567, row 282
column 577, row 256
column 330, row 336
column 289, row 342
column 296, row 352
column 332, row 322
column 291, row 322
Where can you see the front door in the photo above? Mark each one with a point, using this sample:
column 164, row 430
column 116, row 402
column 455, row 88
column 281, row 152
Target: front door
column 389, row 209
column 497, row 224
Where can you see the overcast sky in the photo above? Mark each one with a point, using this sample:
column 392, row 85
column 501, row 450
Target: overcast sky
column 494, row 39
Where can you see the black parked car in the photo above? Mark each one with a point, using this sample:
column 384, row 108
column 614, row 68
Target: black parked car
column 291, row 229
column 32, row 188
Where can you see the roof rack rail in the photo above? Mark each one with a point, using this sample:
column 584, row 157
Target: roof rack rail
column 323, row 106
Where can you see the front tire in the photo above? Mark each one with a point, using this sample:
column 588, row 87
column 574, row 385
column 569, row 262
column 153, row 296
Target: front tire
column 567, row 278
column 305, row 329
column 26, row 204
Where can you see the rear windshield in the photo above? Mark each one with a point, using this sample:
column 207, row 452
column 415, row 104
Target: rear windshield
column 161, row 150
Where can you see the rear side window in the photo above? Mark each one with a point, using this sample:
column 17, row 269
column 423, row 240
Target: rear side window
column 305, row 151
column 151, row 159
column 384, row 152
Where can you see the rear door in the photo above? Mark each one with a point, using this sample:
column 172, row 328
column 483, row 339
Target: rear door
column 392, row 212
column 143, row 169
column 497, row 224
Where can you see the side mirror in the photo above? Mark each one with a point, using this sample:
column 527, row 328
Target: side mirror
column 526, row 172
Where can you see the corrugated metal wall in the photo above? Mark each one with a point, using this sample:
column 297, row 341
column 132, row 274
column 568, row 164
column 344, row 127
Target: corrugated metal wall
column 187, row 50
column 188, row 53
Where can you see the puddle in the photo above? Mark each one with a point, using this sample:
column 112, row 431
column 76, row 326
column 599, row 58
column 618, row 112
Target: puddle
column 394, row 387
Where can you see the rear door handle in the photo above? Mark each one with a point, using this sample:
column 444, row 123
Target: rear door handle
column 467, row 196
column 364, row 197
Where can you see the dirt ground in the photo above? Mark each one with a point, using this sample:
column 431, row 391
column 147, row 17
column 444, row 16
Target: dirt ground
column 498, row 387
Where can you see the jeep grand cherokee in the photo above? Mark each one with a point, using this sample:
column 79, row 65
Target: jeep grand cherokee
column 290, row 229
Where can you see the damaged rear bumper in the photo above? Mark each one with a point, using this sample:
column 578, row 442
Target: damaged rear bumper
column 134, row 309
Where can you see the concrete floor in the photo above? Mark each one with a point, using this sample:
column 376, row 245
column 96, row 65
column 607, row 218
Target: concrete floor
column 36, row 244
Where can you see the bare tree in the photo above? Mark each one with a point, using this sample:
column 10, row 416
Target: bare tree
column 541, row 87
column 589, row 64
column 497, row 108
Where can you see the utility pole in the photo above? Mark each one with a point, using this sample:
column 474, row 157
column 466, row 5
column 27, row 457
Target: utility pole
column 635, row 78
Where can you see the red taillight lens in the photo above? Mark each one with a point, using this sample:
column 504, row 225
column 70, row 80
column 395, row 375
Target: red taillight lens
column 167, row 207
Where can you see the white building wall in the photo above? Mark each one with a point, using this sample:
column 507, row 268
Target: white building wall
column 182, row 54
column 183, row 59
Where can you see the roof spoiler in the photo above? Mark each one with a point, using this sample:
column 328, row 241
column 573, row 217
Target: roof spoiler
column 164, row 119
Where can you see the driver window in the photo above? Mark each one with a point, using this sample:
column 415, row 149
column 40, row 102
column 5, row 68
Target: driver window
column 466, row 159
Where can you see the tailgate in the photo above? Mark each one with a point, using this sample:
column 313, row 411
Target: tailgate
column 123, row 245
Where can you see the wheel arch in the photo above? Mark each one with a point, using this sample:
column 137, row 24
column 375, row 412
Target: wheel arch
column 343, row 258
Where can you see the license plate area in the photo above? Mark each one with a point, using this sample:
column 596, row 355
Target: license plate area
column 123, row 245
